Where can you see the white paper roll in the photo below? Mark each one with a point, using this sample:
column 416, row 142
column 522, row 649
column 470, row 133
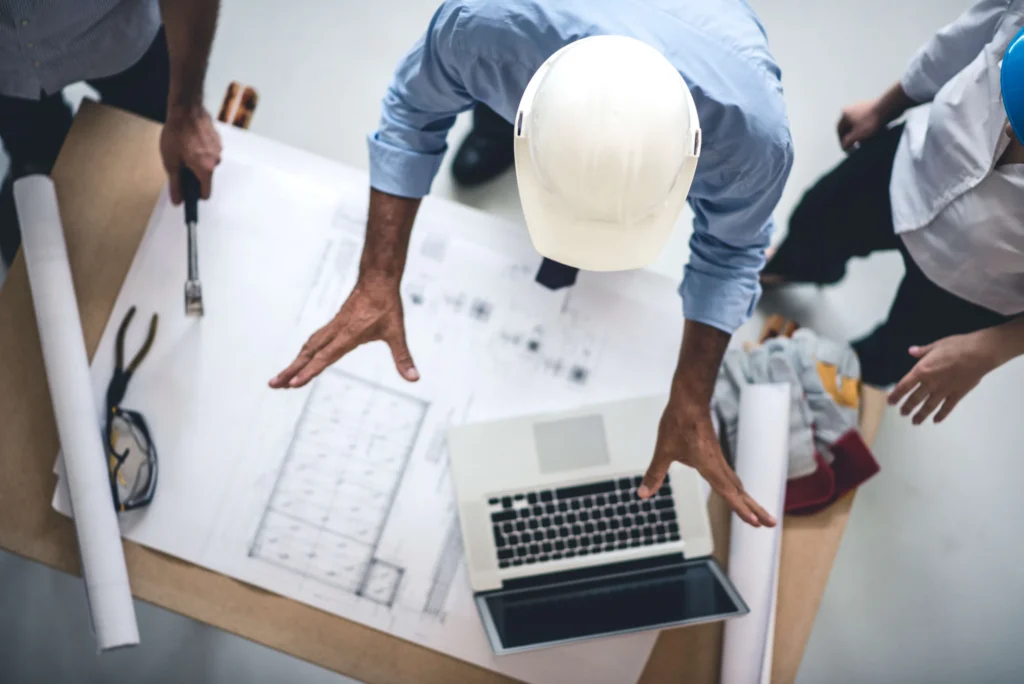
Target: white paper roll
column 762, row 447
column 67, row 372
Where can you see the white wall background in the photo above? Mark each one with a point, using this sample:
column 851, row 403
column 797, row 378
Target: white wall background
column 925, row 588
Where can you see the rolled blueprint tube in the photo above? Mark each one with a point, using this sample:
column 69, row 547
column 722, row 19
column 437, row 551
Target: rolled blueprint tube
column 67, row 372
column 762, row 449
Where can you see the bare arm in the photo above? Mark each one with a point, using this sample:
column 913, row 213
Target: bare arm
column 373, row 310
column 190, row 26
column 686, row 433
column 189, row 138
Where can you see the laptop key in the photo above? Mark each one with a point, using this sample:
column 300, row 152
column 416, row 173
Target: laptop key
column 632, row 543
column 534, row 549
column 634, row 533
column 513, row 539
column 665, row 490
column 524, row 512
column 506, row 502
column 583, row 552
column 558, row 519
column 493, row 502
column 672, row 527
column 640, row 520
column 664, row 503
column 621, row 545
column 533, row 524
column 599, row 500
column 503, row 564
column 659, row 530
column 505, row 554
column 577, row 530
column 609, row 512
column 531, row 498
column 551, row 533
column 613, row 499
column 589, row 528
column 543, row 557
column 546, row 496
column 549, row 508
column 559, row 545
column 556, row 556
column 584, row 540
column 609, row 537
column 574, row 504
column 562, row 506
column 623, row 535
column 634, row 508
column 627, row 522
column 538, row 510
column 507, row 527
column 502, row 516
column 499, row 541
column 596, row 514
column 647, row 541
column 585, row 490
column 620, row 510
column 520, row 526
column 570, row 554
column 525, row 538
column 602, row 526
column 637, row 481
column 661, row 539
column 674, row 536
column 570, row 518
column 531, row 560
column 519, row 497
column 572, row 543
column 595, row 549
column 667, row 516
column 609, row 547
column 646, row 505
column 521, row 551
column 624, row 483
column 584, row 516
column 546, row 547
column 648, row 532
column 652, row 518
column 587, row 502
column 517, row 562
column 564, row 532
column 614, row 524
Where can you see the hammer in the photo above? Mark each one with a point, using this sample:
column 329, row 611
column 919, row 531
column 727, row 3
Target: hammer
column 193, row 288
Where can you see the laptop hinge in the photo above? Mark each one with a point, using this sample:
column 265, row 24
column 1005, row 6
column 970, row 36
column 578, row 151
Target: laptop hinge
column 595, row 571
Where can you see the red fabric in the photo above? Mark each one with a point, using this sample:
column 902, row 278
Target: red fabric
column 853, row 465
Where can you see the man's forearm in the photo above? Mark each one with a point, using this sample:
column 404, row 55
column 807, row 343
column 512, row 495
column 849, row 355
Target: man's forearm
column 190, row 26
column 700, row 356
column 893, row 102
column 388, row 229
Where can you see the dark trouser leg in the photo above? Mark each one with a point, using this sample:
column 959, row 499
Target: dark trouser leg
column 487, row 151
column 845, row 214
column 32, row 132
column 141, row 88
column 921, row 314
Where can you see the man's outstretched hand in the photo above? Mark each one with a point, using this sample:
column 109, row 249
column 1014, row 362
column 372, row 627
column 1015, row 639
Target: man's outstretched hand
column 686, row 434
column 373, row 311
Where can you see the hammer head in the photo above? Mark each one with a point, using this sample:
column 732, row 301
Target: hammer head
column 193, row 298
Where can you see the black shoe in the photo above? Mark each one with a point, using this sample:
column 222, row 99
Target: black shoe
column 10, row 235
column 487, row 152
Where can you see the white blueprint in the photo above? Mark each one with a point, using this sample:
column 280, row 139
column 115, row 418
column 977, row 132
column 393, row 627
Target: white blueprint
column 338, row 495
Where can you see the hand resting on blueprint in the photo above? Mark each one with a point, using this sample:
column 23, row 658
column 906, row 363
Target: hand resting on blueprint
column 373, row 310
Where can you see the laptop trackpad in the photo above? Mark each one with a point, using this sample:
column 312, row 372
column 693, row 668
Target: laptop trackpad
column 571, row 444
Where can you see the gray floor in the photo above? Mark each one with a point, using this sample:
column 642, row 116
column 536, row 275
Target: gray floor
column 925, row 588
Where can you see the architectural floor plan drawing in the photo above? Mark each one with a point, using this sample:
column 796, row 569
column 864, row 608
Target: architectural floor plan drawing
column 337, row 484
column 338, row 494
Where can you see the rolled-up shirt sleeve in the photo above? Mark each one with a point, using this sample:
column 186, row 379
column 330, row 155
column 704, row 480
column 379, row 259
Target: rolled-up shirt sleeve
column 951, row 49
column 731, row 233
column 420, row 106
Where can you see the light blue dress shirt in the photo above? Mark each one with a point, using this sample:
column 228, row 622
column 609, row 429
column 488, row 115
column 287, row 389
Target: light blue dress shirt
column 487, row 50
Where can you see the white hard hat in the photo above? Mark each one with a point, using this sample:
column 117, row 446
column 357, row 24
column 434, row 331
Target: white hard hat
column 606, row 145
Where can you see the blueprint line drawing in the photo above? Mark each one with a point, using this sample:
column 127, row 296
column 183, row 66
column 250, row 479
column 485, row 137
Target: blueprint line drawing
column 337, row 484
column 444, row 571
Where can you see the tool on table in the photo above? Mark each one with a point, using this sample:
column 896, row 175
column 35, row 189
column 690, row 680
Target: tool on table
column 193, row 288
column 130, row 448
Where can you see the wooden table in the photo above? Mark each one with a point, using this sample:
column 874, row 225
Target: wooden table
column 108, row 178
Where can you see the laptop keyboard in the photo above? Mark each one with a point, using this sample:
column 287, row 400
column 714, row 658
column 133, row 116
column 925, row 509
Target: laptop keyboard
column 551, row 524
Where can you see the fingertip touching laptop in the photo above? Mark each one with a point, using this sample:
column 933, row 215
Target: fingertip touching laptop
column 559, row 548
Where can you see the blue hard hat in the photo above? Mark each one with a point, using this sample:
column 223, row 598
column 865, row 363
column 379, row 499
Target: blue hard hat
column 1011, row 82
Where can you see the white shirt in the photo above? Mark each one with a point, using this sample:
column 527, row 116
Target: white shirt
column 960, row 216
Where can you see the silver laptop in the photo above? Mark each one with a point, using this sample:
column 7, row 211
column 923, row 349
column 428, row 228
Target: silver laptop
column 559, row 547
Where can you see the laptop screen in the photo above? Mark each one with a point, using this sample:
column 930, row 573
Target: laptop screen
column 561, row 611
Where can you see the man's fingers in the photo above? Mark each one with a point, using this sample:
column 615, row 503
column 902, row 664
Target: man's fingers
column 204, row 172
column 315, row 367
column 175, row 187
column 909, row 382
column 929, row 407
column 763, row 516
column 912, row 402
column 918, row 352
column 284, row 377
column 403, row 359
column 948, row 406
column 654, row 477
